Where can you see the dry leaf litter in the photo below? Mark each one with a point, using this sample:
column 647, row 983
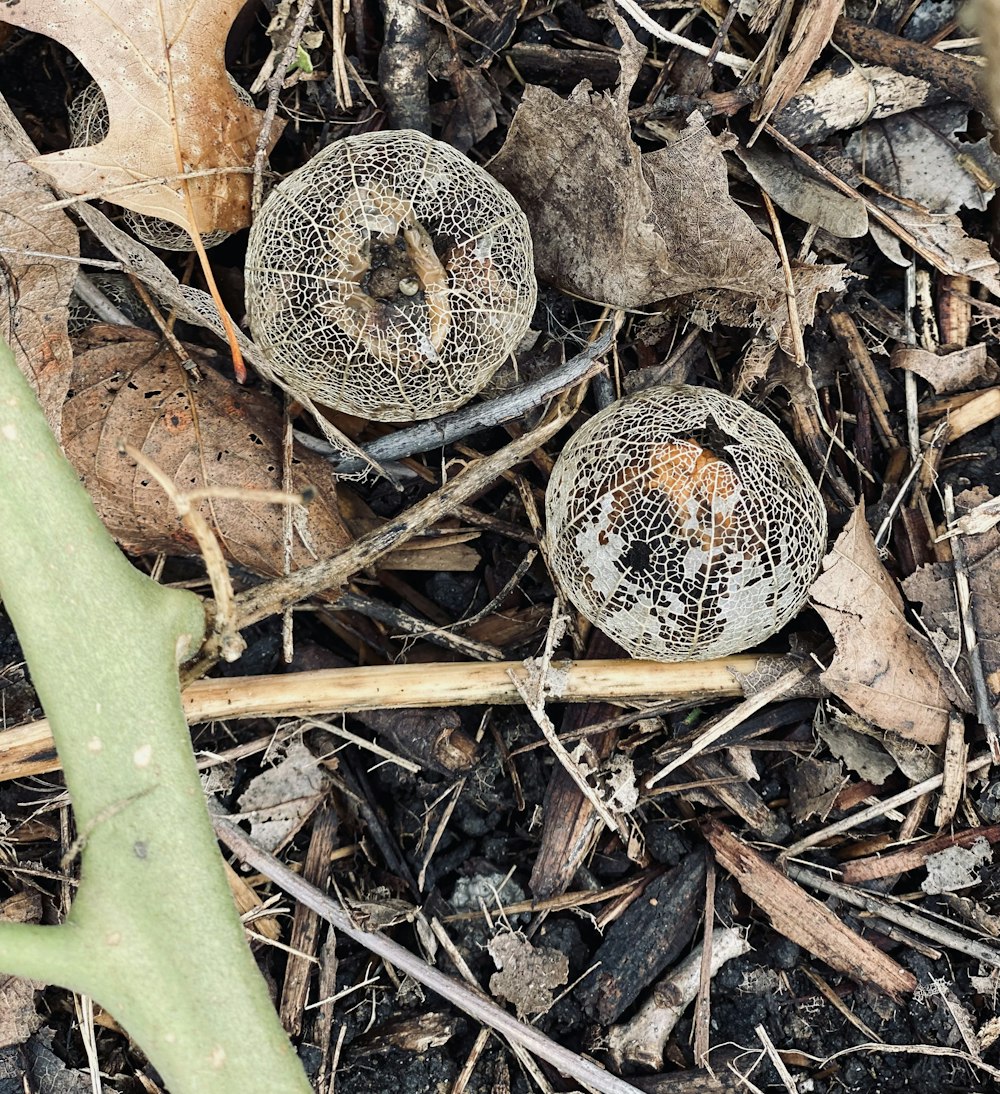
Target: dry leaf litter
column 416, row 278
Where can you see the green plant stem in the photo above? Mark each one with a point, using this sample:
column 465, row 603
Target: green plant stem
column 153, row 934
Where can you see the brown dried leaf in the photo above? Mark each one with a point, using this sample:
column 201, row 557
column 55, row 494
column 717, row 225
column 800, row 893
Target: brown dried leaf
column 942, row 241
column 802, row 918
column 528, row 974
column 130, row 389
column 800, row 192
column 34, row 291
column 18, row 1017
column 172, row 109
column 926, row 156
column 813, row 788
column 883, row 669
column 280, row 800
column 960, row 370
column 613, row 225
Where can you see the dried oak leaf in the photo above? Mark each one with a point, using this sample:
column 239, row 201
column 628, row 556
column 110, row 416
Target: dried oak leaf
column 34, row 291
column 172, row 109
column 883, row 669
column 960, row 370
column 615, row 226
column 206, row 433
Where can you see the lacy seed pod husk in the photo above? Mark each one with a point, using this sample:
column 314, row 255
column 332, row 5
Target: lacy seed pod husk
column 389, row 277
column 683, row 524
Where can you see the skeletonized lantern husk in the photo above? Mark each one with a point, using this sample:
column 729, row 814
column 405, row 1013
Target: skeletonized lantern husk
column 389, row 277
column 684, row 525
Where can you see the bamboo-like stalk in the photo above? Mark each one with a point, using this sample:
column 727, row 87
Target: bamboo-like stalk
column 27, row 750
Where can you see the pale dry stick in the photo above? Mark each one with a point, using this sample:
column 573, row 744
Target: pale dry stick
column 98, row 263
column 463, row 1077
column 703, row 1003
column 776, row 1061
column 879, row 809
column 882, row 535
column 338, row 40
column 98, row 303
column 407, row 686
column 165, row 180
column 786, row 268
column 909, row 378
column 896, row 913
column 984, row 707
column 956, row 754
column 183, row 357
column 838, row 1004
column 751, row 705
column 361, row 742
column 274, row 85
column 979, row 410
column 224, row 630
column 275, row 596
column 417, row 628
column 730, row 60
column 287, row 529
column 458, row 424
column 533, row 694
column 572, row 768
column 442, row 825
column 918, row 1050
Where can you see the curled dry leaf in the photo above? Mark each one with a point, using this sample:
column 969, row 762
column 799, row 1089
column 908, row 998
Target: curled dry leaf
column 280, row 800
column 206, row 433
column 172, row 108
column 883, row 669
column 960, row 370
column 34, row 291
column 941, row 240
column 801, row 192
column 615, row 226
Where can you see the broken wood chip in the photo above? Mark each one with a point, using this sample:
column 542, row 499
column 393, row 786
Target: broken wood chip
column 802, row 918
